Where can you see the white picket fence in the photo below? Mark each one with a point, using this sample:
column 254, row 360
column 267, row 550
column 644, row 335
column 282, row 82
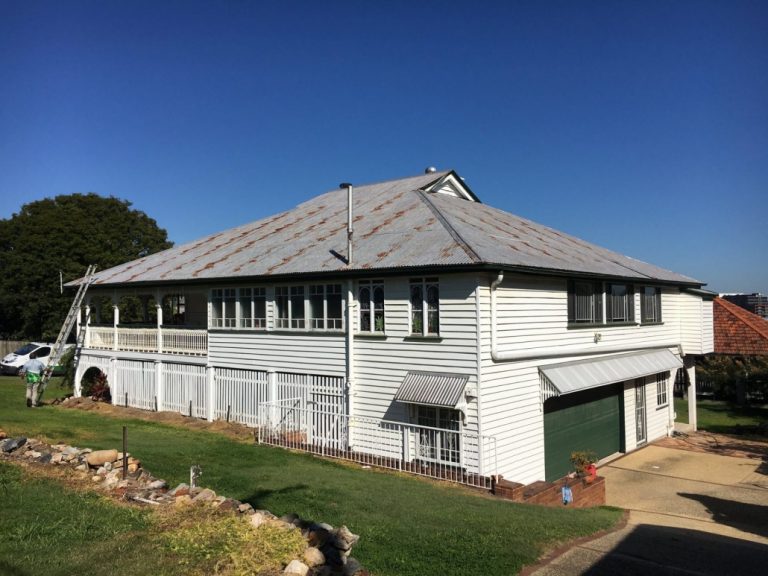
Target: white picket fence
column 239, row 393
column 214, row 393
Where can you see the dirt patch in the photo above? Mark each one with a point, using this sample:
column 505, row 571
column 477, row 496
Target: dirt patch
column 232, row 430
column 717, row 444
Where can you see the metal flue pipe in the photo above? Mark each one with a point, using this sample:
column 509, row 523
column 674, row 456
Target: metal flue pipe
column 350, row 231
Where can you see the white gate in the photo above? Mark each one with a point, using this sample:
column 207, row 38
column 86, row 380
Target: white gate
column 326, row 399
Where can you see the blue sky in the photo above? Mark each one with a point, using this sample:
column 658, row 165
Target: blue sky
column 640, row 126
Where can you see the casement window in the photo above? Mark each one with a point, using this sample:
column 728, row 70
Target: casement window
column 650, row 305
column 289, row 307
column 252, row 308
column 585, row 302
column 662, row 399
column 619, row 303
column 425, row 307
column 370, row 296
column 325, row 310
column 174, row 309
column 322, row 308
column 440, row 440
column 223, row 308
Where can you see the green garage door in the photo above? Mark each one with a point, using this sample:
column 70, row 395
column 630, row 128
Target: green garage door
column 589, row 420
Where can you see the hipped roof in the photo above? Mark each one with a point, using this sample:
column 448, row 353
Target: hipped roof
column 405, row 224
column 738, row 331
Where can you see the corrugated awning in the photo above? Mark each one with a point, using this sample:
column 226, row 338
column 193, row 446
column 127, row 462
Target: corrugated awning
column 569, row 377
column 432, row 389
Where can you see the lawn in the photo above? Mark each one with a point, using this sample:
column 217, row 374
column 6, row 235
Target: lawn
column 721, row 416
column 408, row 526
column 47, row 530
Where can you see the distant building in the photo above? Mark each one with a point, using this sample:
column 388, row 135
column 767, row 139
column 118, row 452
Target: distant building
column 756, row 303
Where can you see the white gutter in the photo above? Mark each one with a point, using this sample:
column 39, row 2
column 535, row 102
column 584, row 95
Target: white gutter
column 558, row 351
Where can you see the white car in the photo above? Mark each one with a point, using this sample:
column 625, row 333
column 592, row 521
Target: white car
column 13, row 362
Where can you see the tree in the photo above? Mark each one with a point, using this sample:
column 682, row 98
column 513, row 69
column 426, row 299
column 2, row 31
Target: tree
column 65, row 233
column 735, row 377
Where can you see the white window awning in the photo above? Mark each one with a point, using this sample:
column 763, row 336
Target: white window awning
column 433, row 389
column 569, row 377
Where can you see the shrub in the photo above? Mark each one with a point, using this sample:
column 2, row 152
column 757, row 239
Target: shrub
column 95, row 385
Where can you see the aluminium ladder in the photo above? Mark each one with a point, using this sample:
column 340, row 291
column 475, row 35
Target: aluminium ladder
column 57, row 351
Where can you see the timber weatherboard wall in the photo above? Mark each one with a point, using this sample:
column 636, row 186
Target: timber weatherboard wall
column 696, row 324
column 532, row 315
column 382, row 363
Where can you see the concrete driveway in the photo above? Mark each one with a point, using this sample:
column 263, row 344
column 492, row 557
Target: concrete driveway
column 689, row 513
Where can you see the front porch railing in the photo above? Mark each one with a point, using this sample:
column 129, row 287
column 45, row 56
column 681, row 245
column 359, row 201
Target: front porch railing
column 188, row 342
column 455, row 455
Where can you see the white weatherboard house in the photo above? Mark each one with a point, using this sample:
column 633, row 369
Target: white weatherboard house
column 421, row 330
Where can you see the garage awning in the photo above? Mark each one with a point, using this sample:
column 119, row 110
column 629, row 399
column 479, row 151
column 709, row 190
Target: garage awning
column 433, row 389
column 569, row 377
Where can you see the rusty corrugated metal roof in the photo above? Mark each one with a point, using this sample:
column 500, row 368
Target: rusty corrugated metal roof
column 397, row 225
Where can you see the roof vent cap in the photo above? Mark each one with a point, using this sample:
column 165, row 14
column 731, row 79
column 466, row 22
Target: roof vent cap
column 430, row 170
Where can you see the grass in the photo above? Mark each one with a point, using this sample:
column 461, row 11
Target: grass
column 722, row 417
column 408, row 526
column 47, row 530
column 52, row 530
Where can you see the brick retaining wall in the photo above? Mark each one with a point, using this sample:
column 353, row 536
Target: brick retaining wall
column 585, row 494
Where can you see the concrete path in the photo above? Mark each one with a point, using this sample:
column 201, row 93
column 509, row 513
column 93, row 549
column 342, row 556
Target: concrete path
column 690, row 513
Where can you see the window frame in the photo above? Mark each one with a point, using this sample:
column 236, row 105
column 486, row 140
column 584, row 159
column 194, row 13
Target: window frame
column 595, row 302
column 655, row 297
column 298, row 307
column 371, row 316
column 433, row 444
column 325, row 323
column 226, row 297
column 625, row 301
column 427, row 313
column 247, row 318
column 662, row 390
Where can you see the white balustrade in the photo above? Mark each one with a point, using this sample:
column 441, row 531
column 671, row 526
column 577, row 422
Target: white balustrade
column 174, row 340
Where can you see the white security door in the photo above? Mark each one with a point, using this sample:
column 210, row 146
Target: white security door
column 640, row 417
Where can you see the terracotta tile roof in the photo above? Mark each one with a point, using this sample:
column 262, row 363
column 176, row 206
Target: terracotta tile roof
column 738, row 331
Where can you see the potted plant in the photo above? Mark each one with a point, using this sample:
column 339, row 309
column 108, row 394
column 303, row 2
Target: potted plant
column 583, row 462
